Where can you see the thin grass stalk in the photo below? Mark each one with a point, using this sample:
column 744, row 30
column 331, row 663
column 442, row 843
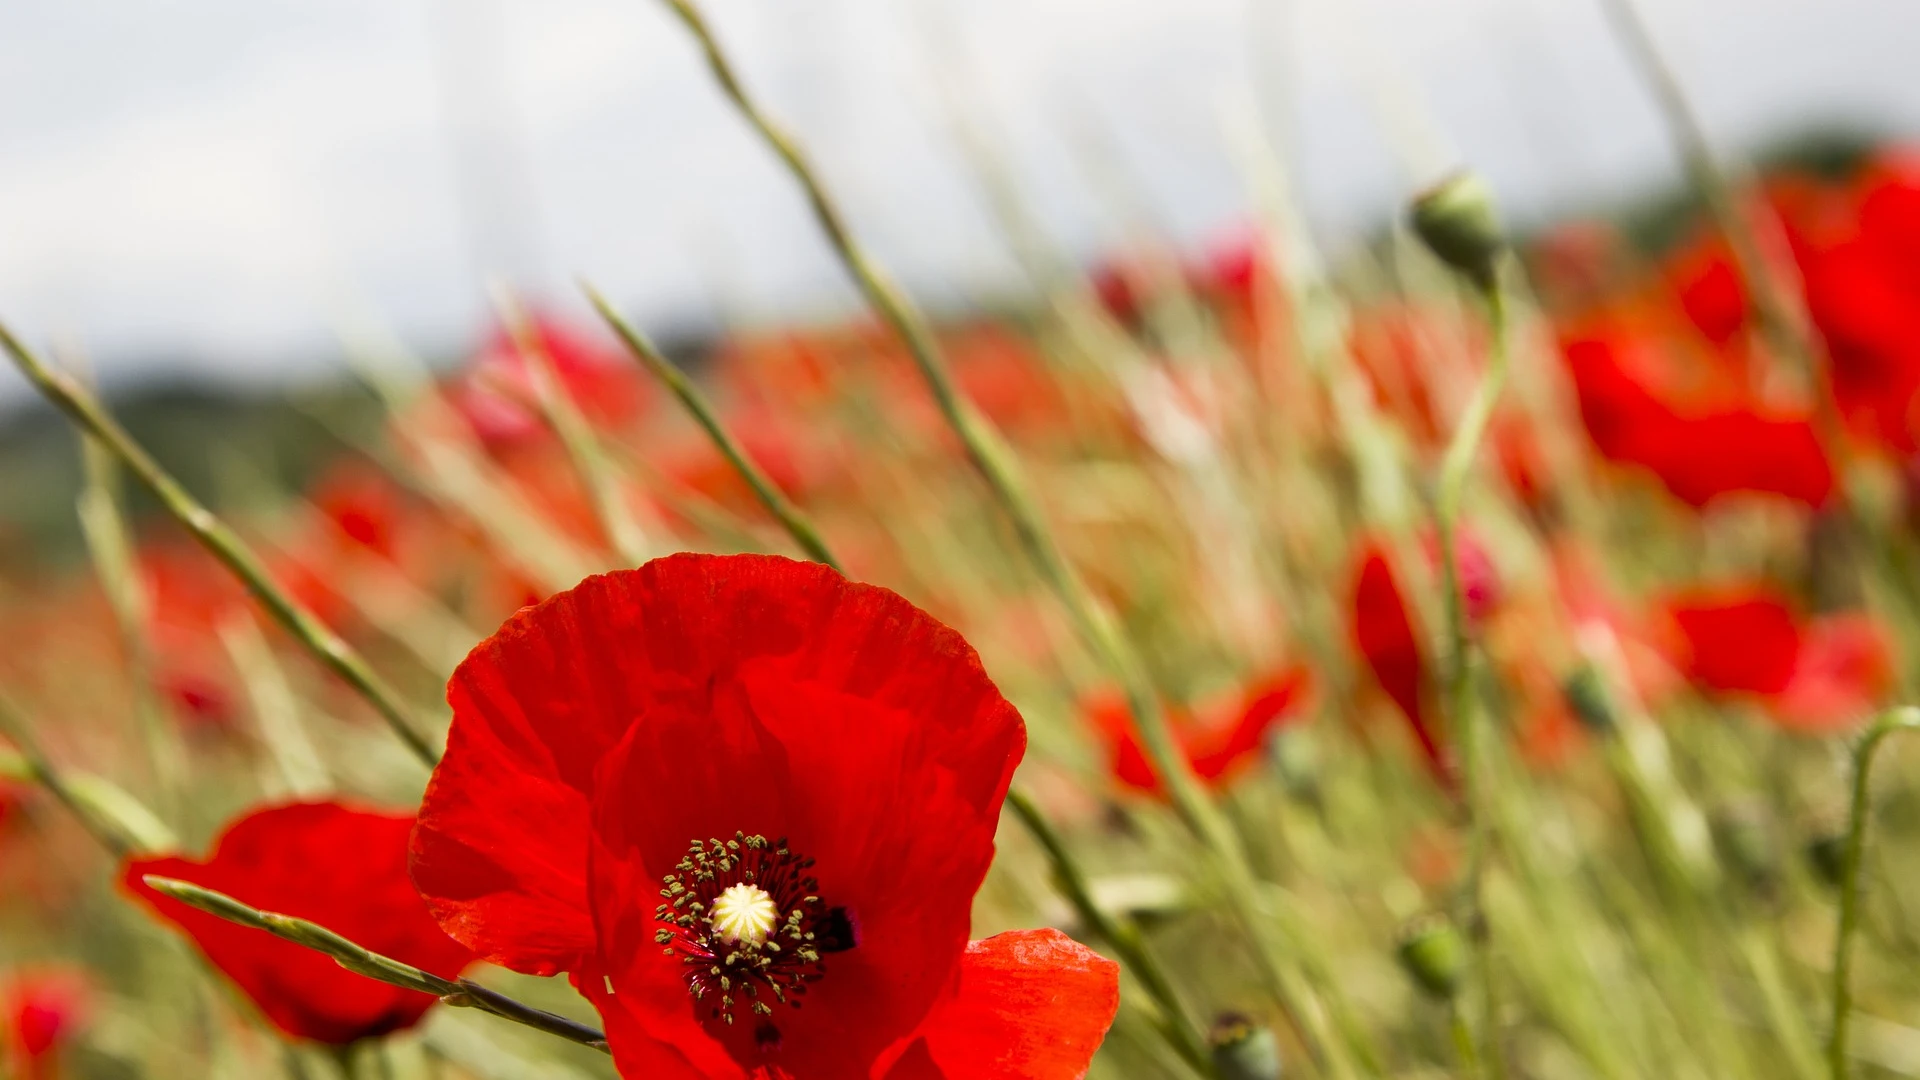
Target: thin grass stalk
column 275, row 707
column 1463, row 706
column 103, row 527
column 225, row 545
column 995, row 462
column 1905, row 718
column 460, row 993
column 690, row 397
column 562, row 413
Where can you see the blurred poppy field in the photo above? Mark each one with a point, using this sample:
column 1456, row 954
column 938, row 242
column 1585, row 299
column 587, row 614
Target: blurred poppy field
column 1475, row 653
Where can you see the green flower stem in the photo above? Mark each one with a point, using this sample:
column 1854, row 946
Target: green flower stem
column 995, row 462
column 461, row 993
column 1905, row 718
column 688, row 394
column 1463, row 708
column 1119, row 931
column 224, row 544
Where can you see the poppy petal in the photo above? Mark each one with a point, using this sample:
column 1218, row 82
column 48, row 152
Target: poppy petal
column 1032, row 1005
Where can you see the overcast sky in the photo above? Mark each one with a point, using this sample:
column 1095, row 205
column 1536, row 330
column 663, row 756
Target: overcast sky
column 206, row 186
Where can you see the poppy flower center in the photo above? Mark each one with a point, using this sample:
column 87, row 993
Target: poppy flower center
column 745, row 918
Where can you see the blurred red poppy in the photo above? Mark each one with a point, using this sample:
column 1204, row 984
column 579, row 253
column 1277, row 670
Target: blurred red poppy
column 496, row 393
column 809, row 771
column 1383, row 635
column 1221, row 738
column 1715, row 442
column 1745, row 639
column 44, row 1008
column 338, row 866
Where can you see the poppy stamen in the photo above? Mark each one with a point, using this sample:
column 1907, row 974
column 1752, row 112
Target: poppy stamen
column 744, row 916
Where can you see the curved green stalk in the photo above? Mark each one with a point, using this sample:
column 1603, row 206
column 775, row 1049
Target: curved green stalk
column 1905, row 718
column 1463, row 710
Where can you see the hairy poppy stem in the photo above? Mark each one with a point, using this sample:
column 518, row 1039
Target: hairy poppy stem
column 223, row 543
column 990, row 455
column 688, row 394
column 460, row 993
column 1119, row 931
column 1463, row 710
column 1905, row 718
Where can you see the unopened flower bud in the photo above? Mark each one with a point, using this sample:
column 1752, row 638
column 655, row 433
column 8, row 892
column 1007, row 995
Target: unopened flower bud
column 1243, row 1049
column 1435, row 955
column 1586, row 696
column 1455, row 218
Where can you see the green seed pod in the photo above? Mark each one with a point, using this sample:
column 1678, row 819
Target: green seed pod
column 1434, row 955
column 1455, row 218
column 1244, row 1050
column 1586, row 695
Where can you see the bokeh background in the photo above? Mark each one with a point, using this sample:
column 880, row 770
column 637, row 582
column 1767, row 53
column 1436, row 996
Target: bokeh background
column 207, row 188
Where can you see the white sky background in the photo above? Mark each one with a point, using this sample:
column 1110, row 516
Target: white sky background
column 204, row 186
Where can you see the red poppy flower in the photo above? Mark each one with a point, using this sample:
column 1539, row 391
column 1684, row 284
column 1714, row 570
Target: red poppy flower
column 1815, row 676
column 1713, row 442
column 43, row 1009
column 343, row 868
column 1220, row 738
column 1384, row 637
column 807, row 771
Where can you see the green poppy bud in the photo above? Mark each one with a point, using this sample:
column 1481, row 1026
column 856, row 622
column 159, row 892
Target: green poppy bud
column 1456, row 220
column 1244, row 1050
column 1434, row 955
column 1586, row 695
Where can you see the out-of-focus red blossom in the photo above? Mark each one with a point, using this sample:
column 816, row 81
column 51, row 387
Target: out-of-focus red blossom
column 1863, row 293
column 362, row 508
column 1479, row 577
column 1384, row 636
column 1714, row 442
column 45, row 1008
column 496, row 393
column 788, row 368
column 1391, row 346
column 852, row 750
column 1710, row 290
column 1221, row 737
column 1005, row 376
column 342, row 867
column 1817, row 676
